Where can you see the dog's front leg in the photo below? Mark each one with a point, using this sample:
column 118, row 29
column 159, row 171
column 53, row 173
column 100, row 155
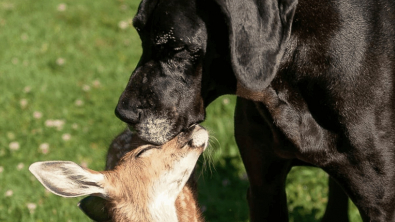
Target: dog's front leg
column 337, row 207
column 266, row 171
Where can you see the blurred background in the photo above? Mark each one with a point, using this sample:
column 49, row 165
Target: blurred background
column 63, row 66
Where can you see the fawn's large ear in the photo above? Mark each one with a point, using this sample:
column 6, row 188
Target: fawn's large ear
column 95, row 208
column 67, row 179
column 258, row 30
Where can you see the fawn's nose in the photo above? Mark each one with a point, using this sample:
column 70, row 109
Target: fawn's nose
column 199, row 137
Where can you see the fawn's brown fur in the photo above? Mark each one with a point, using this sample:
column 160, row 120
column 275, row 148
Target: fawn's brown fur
column 186, row 202
column 143, row 183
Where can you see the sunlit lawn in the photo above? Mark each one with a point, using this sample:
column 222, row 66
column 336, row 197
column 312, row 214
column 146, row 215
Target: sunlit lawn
column 63, row 65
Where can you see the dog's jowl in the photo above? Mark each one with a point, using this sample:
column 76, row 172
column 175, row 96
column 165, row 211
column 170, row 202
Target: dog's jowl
column 315, row 86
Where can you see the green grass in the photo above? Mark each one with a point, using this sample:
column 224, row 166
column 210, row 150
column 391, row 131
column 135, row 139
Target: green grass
column 70, row 61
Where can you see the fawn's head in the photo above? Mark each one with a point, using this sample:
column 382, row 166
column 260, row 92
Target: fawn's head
column 146, row 180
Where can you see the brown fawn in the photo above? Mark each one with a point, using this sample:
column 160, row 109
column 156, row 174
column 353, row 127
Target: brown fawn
column 96, row 208
column 147, row 184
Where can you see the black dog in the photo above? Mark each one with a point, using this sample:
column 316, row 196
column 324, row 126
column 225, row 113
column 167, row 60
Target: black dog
column 314, row 80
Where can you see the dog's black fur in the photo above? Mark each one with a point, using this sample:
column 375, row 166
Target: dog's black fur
column 314, row 80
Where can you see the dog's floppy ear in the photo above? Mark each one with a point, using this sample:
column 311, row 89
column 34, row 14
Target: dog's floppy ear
column 258, row 32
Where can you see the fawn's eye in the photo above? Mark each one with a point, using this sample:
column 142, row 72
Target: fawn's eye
column 144, row 151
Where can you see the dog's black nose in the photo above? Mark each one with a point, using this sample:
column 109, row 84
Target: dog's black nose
column 127, row 113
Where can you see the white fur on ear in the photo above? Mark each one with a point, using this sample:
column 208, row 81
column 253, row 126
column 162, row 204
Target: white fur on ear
column 67, row 179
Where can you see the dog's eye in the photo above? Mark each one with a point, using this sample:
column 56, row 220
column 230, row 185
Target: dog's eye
column 178, row 49
column 169, row 51
column 180, row 53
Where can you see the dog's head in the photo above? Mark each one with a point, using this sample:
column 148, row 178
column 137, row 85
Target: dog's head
column 195, row 51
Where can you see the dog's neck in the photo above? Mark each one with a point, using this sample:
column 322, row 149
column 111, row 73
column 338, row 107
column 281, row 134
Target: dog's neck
column 243, row 92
